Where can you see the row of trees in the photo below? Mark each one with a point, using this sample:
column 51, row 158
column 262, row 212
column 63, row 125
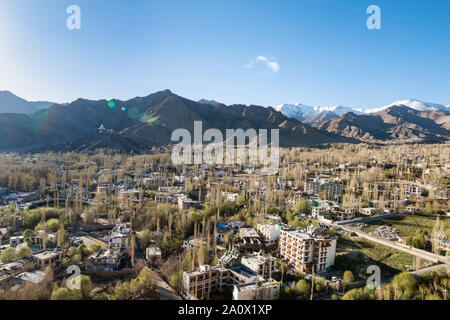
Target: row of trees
column 432, row 285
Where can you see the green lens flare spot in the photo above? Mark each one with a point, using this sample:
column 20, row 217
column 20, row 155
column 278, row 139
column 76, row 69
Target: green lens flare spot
column 111, row 104
column 134, row 114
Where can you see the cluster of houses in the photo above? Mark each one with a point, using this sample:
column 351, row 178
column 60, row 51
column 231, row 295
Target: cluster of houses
column 31, row 268
column 248, row 272
column 251, row 279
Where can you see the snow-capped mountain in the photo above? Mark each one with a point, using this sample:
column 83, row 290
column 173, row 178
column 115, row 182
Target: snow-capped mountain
column 205, row 101
column 320, row 117
column 297, row 111
column 340, row 110
column 302, row 112
column 413, row 104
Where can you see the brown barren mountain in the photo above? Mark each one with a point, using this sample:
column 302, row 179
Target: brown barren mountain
column 396, row 124
column 147, row 121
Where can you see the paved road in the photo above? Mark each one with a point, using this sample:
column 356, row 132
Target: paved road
column 435, row 267
column 164, row 291
column 89, row 240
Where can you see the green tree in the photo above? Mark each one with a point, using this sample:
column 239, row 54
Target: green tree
column 303, row 287
column 145, row 236
column 301, row 206
column 52, row 225
column 95, row 247
column 61, row 237
column 28, row 241
column 404, row 285
column 360, row 294
column 240, row 201
column 85, row 286
column 66, row 294
column 176, row 281
column 348, row 278
column 8, row 255
column 23, row 252
column 30, row 220
column 409, row 240
column 28, row 233
column 82, row 250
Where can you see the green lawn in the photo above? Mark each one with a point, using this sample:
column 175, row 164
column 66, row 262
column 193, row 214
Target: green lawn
column 391, row 257
column 408, row 225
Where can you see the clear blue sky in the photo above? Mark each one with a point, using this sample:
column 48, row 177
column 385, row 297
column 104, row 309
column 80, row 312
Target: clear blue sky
column 200, row 49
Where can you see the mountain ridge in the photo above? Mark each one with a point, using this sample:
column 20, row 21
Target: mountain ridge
column 396, row 123
column 10, row 103
column 150, row 120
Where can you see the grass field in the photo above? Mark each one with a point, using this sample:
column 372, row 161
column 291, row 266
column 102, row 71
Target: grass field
column 391, row 257
column 408, row 225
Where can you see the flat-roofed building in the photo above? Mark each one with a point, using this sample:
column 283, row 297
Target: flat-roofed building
column 27, row 197
column 261, row 264
column 200, row 284
column 106, row 260
column 47, row 257
column 248, row 240
column 119, row 237
column 332, row 188
column 185, row 203
column 153, row 254
column 371, row 211
column 259, row 290
column 33, row 277
column 270, row 232
column 305, row 248
column 413, row 190
column 319, row 210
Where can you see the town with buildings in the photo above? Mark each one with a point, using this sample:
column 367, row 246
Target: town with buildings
column 140, row 227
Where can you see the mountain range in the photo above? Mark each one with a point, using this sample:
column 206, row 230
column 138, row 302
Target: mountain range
column 310, row 114
column 303, row 112
column 397, row 123
column 141, row 123
column 9, row 103
column 144, row 122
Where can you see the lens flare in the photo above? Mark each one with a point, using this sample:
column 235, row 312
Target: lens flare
column 111, row 104
column 123, row 109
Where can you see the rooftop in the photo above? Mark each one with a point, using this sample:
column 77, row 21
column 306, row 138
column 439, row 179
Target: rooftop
column 248, row 233
column 35, row 277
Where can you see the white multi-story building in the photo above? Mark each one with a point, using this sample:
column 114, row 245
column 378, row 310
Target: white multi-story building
column 371, row 211
column 201, row 284
column 153, row 254
column 319, row 210
column 332, row 188
column 119, row 237
column 230, row 196
column 260, row 290
column 270, row 232
column 413, row 190
column 47, row 257
column 308, row 247
column 180, row 179
column 261, row 264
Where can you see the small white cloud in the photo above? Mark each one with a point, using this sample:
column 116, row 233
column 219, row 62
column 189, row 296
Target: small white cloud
column 273, row 65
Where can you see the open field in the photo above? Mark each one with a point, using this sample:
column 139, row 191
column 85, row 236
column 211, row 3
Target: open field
column 393, row 258
column 408, row 225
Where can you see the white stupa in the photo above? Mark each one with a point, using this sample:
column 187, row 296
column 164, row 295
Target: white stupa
column 102, row 128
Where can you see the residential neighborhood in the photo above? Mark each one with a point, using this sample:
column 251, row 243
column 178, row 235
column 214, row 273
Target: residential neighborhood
column 141, row 225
